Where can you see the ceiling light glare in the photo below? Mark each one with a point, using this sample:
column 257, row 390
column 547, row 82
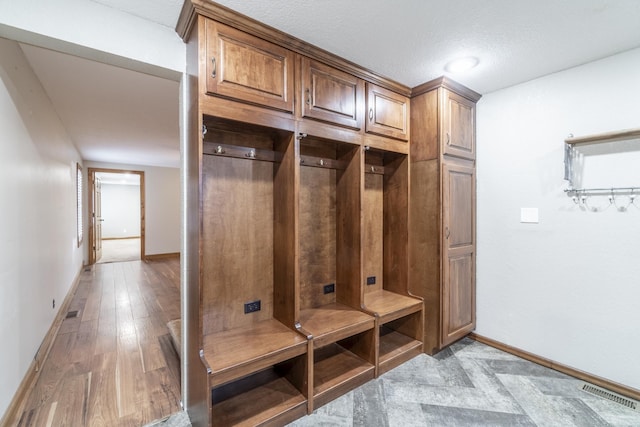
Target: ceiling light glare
column 461, row 64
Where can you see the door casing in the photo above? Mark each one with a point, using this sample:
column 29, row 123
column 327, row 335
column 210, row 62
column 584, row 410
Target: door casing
column 91, row 175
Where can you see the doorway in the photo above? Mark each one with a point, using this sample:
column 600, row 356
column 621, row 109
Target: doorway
column 116, row 215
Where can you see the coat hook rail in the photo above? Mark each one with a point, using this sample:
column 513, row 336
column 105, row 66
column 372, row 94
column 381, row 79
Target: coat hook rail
column 374, row 169
column 319, row 162
column 239, row 152
column 601, row 191
column 621, row 198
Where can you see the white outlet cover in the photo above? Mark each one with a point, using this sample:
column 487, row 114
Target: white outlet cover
column 529, row 215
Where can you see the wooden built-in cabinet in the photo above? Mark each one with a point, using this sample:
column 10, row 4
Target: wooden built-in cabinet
column 387, row 113
column 458, row 265
column 442, row 226
column 458, row 126
column 246, row 68
column 319, row 252
column 331, row 95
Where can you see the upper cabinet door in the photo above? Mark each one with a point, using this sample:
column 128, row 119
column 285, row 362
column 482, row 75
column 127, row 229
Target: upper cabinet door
column 247, row 68
column 331, row 95
column 387, row 113
column 458, row 138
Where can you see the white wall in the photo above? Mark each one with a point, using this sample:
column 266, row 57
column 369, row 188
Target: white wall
column 567, row 288
column 91, row 30
column 162, row 206
column 120, row 211
column 39, row 257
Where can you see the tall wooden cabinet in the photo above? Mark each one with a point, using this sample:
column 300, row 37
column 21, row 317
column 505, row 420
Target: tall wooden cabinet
column 297, row 270
column 443, row 199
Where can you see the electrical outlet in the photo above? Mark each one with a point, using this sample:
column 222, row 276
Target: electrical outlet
column 330, row 288
column 54, row 303
column 371, row 280
column 250, row 307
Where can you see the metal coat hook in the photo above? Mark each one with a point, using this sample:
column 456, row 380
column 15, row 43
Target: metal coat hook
column 614, row 195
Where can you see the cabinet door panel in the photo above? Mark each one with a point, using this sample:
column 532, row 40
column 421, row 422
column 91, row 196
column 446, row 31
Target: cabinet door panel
column 459, row 206
column 459, row 126
column 458, row 286
column 247, row 68
column 458, row 316
column 387, row 113
column 331, row 95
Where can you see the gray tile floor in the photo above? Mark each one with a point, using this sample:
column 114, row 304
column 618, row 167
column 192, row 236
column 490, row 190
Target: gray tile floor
column 471, row 384
column 467, row 384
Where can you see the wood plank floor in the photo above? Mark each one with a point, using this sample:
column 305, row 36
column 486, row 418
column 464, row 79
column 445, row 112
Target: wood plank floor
column 114, row 363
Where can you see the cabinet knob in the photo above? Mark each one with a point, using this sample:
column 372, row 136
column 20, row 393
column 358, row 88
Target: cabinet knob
column 370, row 114
column 213, row 70
column 308, row 97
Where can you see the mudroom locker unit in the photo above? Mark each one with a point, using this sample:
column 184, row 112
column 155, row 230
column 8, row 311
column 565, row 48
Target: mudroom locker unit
column 301, row 281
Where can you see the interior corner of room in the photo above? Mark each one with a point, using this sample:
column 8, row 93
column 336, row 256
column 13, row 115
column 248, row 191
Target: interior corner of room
column 315, row 185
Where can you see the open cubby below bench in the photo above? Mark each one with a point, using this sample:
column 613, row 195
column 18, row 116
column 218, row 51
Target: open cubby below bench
column 236, row 353
column 264, row 398
column 337, row 370
column 344, row 349
column 257, row 374
column 400, row 320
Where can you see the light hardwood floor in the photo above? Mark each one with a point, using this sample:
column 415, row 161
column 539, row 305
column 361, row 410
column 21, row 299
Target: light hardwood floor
column 113, row 364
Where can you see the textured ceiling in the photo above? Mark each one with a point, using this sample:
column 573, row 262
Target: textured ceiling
column 410, row 41
column 121, row 116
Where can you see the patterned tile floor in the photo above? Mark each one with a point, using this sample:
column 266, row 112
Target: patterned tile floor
column 471, row 384
column 467, row 384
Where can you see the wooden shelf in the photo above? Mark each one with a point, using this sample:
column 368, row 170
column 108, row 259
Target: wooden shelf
column 389, row 305
column 265, row 398
column 333, row 322
column 239, row 352
column 395, row 348
column 336, row 371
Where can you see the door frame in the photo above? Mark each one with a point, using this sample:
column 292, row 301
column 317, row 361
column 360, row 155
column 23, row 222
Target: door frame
column 91, row 175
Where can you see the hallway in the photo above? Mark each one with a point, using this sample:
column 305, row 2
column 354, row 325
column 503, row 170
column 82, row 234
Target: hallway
column 113, row 363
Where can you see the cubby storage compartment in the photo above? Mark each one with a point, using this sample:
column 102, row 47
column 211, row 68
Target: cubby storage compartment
column 342, row 366
column 330, row 275
column 248, row 267
column 272, row 396
column 399, row 341
column 385, row 227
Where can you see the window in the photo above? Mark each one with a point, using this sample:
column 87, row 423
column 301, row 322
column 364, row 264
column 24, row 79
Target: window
column 79, row 203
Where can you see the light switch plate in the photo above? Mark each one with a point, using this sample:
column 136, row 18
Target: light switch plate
column 529, row 215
